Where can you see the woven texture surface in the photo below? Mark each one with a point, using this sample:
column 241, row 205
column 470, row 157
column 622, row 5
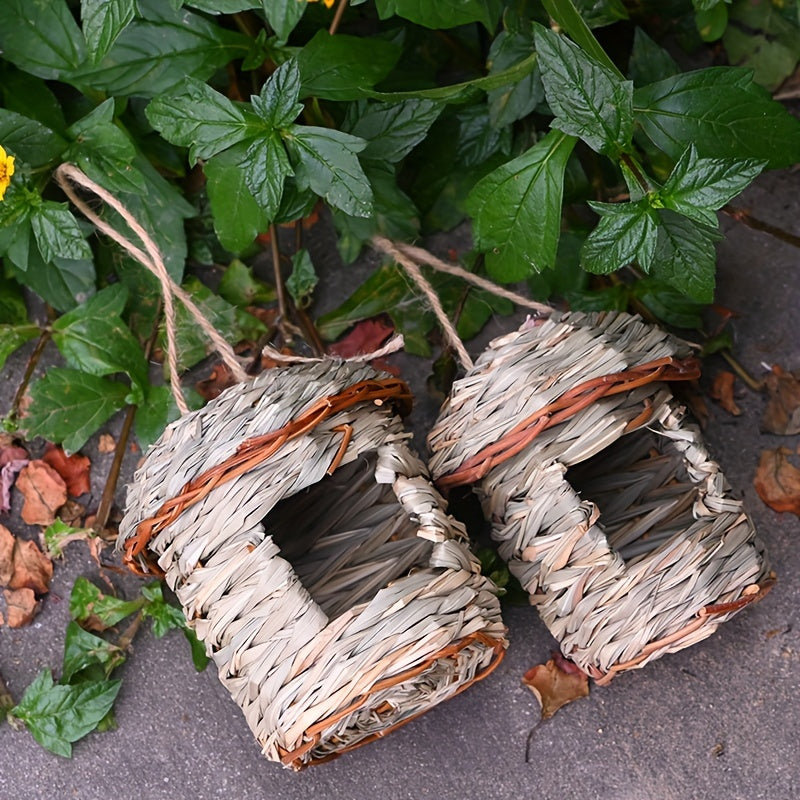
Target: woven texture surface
column 335, row 607
column 625, row 536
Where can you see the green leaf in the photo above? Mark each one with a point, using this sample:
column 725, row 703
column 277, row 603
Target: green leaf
column 62, row 282
column 40, row 37
column 241, row 288
column 702, row 184
column 154, row 54
column 598, row 13
column 626, row 232
column 443, row 13
column 325, row 161
column 649, row 62
column 12, row 337
column 303, row 279
column 238, row 218
column 68, row 406
column 196, row 116
column 516, row 100
column 722, row 112
column 669, row 305
column 103, row 21
column 516, row 209
column 57, row 232
column 684, row 256
column 28, row 139
column 58, row 534
column 13, row 310
column 58, row 715
column 391, row 130
column 94, row 339
column 711, row 22
column 94, row 609
column 165, row 616
column 84, row 653
column 343, row 67
column 104, row 151
column 266, row 166
column 199, row 657
column 31, row 96
column 277, row 102
column 152, row 416
column 283, row 16
column 478, row 139
column 588, row 99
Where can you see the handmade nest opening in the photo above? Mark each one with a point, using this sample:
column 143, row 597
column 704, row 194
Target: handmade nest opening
column 346, row 536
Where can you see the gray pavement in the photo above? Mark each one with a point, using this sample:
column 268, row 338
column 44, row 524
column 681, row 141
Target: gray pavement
column 718, row 721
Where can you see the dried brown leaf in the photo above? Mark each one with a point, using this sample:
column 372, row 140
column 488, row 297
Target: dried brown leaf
column 73, row 469
column 722, row 392
column 555, row 686
column 20, row 606
column 782, row 414
column 777, row 481
column 7, row 474
column 71, row 513
column 106, row 443
column 9, row 453
column 7, row 542
column 220, row 379
column 44, row 491
column 32, row 568
column 366, row 337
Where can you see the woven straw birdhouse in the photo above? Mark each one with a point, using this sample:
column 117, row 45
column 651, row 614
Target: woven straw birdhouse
column 312, row 556
column 602, row 496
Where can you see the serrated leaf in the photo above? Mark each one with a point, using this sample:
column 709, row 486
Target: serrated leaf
column 626, row 232
column 29, row 140
column 722, row 112
column 518, row 99
column 165, row 617
column 41, row 37
column 68, row 406
column 391, row 130
column 443, row 13
column 155, row 53
column 237, row 217
column 588, row 98
column 697, row 184
column 277, row 103
column 516, row 209
column 103, row 21
column 325, row 161
column 478, row 140
column 62, row 282
column 12, row 337
column 344, row 67
column 283, row 16
column 649, row 62
column 196, row 116
column 669, row 305
column 241, row 288
column 152, row 416
column 685, row 257
column 57, row 232
column 266, row 166
column 86, row 655
column 303, row 279
column 94, row 339
column 95, row 610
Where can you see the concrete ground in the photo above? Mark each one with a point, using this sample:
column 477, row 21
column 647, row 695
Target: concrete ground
column 718, row 721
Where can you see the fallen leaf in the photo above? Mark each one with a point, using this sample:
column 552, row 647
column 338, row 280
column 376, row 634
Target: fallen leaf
column 72, row 513
column 106, row 444
column 32, row 568
column 556, row 683
column 20, row 606
column 7, row 474
column 782, row 414
column 7, row 541
column 10, row 452
column 365, row 337
column 73, row 469
column 777, row 481
column 44, row 491
column 722, row 392
column 220, row 379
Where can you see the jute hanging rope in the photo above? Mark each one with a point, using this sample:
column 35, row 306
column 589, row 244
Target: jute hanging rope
column 602, row 497
column 306, row 545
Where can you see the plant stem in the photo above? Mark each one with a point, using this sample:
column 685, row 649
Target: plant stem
column 756, row 386
column 276, row 268
column 130, row 632
column 110, row 488
column 337, row 17
column 44, row 338
column 740, row 215
column 636, row 172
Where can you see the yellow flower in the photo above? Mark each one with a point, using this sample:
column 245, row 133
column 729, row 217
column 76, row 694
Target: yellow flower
column 6, row 171
column 328, row 3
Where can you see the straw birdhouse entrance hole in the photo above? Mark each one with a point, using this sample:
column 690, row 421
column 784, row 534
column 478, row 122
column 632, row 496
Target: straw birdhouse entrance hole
column 603, row 499
column 313, row 557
